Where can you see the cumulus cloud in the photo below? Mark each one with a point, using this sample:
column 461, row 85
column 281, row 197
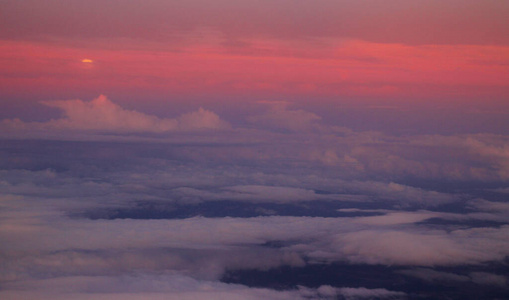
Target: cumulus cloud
column 103, row 115
column 280, row 117
column 201, row 119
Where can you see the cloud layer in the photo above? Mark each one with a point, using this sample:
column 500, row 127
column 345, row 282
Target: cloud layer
column 182, row 205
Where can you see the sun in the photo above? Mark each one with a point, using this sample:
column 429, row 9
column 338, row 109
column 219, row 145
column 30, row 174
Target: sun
column 87, row 61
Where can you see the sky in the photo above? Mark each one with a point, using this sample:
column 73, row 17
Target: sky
column 161, row 57
column 254, row 149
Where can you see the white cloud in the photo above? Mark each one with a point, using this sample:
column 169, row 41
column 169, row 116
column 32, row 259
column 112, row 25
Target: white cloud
column 102, row 115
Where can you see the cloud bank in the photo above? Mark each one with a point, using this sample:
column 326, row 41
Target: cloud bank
column 102, row 115
column 183, row 206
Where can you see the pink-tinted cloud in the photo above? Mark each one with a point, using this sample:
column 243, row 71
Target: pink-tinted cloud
column 103, row 115
column 280, row 117
column 201, row 119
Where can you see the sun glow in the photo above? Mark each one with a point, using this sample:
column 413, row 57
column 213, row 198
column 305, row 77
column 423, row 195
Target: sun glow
column 86, row 60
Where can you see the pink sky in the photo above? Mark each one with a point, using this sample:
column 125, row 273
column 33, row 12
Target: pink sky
column 402, row 50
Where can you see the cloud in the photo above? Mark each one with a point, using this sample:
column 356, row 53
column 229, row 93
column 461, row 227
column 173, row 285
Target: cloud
column 396, row 194
column 274, row 193
column 171, row 285
column 364, row 293
column 502, row 190
column 275, row 138
column 481, row 278
column 102, row 115
column 201, row 119
column 40, row 239
column 329, row 239
column 490, row 206
column 484, row 278
column 347, row 293
column 431, row 275
column 394, row 218
column 254, row 193
column 279, row 117
column 403, row 194
column 387, row 214
column 168, row 285
column 418, row 247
